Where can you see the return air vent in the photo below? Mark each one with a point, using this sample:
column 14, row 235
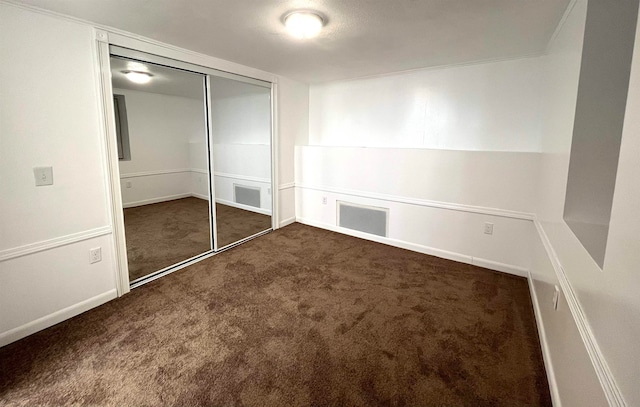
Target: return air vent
column 368, row 219
column 245, row 195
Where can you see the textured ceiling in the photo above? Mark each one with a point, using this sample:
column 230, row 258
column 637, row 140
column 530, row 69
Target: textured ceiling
column 361, row 38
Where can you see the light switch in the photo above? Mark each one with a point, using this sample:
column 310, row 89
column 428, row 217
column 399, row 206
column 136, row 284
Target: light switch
column 44, row 176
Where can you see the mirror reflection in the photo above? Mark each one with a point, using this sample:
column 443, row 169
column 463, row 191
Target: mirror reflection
column 241, row 135
column 163, row 159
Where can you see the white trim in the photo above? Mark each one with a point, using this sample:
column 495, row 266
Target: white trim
column 157, row 172
column 502, row 267
column 432, row 251
column 170, row 269
column 287, row 185
column 245, row 207
column 43, row 245
column 274, row 183
column 288, row 221
column 130, row 53
column 603, row 372
column 111, row 163
column 546, row 353
column 200, row 196
column 39, row 324
column 242, row 177
column 156, row 200
column 423, row 202
column 560, row 25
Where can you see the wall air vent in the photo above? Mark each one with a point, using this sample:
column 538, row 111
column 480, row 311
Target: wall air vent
column 368, row 219
column 245, row 195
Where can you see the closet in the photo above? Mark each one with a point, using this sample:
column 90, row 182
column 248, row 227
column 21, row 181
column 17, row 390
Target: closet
column 194, row 149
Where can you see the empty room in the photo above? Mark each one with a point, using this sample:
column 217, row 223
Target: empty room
column 319, row 203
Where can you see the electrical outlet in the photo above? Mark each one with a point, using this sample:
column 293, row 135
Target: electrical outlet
column 324, row 200
column 269, row 191
column 488, row 228
column 127, row 184
column 43, row 175
column 556, row 297
column 95, row 255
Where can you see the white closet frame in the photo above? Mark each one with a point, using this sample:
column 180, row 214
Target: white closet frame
column 165, row 54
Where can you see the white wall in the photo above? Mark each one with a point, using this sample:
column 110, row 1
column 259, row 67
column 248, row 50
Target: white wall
column 489, row 107
column 293, row 126
column 599, row 119
column 47, row 232
column 608, row 309
column 167, row 137
column 49, row 116
column 438, row 200
column 445, row 149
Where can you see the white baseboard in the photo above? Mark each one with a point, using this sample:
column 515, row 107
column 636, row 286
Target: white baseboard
column 603, row 371
column 546, row 354
column 200, row 196
column 432, row 251
column 288, row 221
column 55, row 318
column 503, row 267
column 245, row 207
column 155, row 200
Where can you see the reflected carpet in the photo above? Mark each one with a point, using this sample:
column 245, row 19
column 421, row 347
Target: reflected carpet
column 162, row 234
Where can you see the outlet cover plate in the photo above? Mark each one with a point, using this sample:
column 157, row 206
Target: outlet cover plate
column 43, row 175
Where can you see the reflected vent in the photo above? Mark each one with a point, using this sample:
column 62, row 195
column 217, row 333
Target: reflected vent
column 246, row 195
column 368, row 219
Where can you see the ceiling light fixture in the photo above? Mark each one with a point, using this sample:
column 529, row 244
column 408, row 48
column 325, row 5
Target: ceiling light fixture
column 303, row 24
column 137, row 76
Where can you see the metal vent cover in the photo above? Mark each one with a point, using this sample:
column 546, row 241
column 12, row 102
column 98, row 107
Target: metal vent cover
column 245, row 195
column 368, row 219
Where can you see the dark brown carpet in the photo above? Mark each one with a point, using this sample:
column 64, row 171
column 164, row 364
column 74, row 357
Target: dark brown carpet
column 162, row 234
column 298, row 317
column 235, row 224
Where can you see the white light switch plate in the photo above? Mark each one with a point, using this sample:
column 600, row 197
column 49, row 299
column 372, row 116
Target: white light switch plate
column 44, row 176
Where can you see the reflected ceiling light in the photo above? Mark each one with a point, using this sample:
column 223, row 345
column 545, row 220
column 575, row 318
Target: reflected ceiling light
column 137, row 76
column 303, row 24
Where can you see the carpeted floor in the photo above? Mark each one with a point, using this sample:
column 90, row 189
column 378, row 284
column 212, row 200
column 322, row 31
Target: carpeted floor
column 162, row 234
column 298, row 317
column 235, row 224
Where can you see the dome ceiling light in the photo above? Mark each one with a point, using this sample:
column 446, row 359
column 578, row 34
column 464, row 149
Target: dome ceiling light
column 137, row 76
column 303, row 24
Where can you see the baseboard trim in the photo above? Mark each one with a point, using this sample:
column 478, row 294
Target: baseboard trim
column 423, row 202
column 603, row 372
column 432, row 251
column 245, row 207
column 546, row 354
column 156, row 200
column 498, row 266
column 43, row 245
column 200, row 196
column 55, row 318
column 287, row 221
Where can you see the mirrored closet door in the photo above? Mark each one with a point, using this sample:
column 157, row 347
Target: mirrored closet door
column 194, row 151
column 241, row 136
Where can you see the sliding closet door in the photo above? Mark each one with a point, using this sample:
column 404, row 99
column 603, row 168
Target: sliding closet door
column 240, row 131
column 164, row 165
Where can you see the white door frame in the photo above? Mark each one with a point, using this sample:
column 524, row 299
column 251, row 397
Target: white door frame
column 106, row 38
